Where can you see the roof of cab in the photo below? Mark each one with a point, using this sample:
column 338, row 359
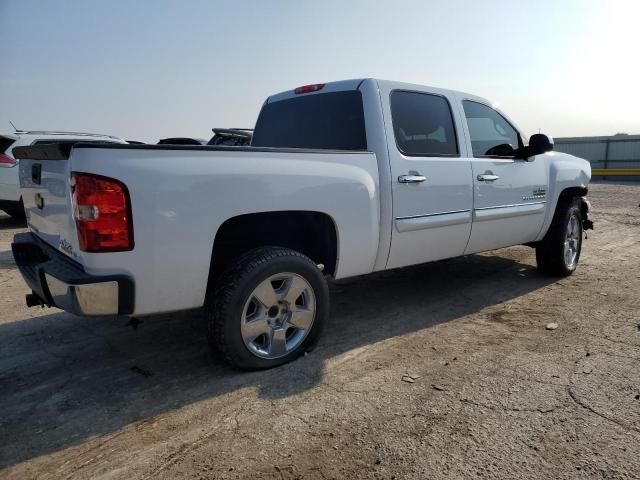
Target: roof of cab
column 338, row 86
column 354, row 84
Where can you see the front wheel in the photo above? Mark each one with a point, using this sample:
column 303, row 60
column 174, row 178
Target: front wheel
column 558, row 253
column 269, row 307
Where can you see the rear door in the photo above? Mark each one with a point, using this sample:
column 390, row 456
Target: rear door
column 431, row 178
column 509, row 193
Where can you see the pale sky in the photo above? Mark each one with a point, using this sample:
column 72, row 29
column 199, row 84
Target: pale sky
column 149, row 69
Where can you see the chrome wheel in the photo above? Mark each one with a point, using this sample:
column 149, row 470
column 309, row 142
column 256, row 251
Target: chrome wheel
column 278, row 315
column 572, row 242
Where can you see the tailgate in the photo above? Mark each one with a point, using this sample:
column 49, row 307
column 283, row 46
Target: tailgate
column 46, row 193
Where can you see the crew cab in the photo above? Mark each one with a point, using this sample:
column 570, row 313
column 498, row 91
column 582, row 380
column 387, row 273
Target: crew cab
column 342, row 179
column 10, row 199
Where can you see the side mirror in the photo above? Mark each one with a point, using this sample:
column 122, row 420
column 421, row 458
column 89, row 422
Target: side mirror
column 540, row 143
column 502, row 150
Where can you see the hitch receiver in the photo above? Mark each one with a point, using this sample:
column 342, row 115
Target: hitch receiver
column 34, row 300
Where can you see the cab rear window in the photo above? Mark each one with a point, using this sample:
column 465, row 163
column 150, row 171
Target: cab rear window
column 333, row 121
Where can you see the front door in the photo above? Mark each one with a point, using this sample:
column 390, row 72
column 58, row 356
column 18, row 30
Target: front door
column 509, row 193
column 431, row 179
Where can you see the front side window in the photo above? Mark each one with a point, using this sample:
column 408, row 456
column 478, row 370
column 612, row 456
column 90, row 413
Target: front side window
column 491, row 134
column 423, row 124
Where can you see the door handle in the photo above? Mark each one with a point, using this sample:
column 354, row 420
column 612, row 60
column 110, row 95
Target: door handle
column 411, row 178
column 487, row 177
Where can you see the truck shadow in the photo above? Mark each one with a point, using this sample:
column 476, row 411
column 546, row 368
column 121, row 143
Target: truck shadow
column 64, row 379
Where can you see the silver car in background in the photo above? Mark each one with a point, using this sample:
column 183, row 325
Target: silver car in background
column 10, row 200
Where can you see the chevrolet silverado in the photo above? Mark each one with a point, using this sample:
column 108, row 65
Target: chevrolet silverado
column 341, row 179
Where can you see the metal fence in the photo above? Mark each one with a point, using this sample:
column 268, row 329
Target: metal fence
column 618, row 155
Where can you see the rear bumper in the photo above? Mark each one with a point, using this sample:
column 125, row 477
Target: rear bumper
column 58, row 281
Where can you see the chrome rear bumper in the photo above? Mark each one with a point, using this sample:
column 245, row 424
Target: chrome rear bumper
column 56, row 280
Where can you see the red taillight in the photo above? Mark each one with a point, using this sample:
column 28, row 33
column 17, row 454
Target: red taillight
column 309, row 88
column 102, row 210
column 7, row 161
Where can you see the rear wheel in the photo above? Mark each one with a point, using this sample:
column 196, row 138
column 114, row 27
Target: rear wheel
column 269, row 307
column 558, row 253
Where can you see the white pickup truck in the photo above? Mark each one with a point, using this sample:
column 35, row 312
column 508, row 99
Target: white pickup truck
column 341, row 179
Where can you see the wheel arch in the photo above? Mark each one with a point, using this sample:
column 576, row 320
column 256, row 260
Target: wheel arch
column 572, row 192
column 313, row 233
column 565, row 195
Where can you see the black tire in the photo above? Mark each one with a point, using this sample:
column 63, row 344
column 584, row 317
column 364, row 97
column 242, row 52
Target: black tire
column 229, row 293
column 550, row 252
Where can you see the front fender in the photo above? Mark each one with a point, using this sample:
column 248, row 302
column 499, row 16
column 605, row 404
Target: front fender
column 566, row 173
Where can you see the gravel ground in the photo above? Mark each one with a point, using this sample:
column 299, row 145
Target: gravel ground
column 496, row 395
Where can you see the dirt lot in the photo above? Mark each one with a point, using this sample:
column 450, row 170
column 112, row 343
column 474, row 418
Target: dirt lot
column 498, row 395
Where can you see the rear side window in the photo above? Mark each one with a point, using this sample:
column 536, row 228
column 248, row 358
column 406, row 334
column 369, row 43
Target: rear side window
column 490, row 132
column 332, row 121
column 5, row 143
column 423, row 124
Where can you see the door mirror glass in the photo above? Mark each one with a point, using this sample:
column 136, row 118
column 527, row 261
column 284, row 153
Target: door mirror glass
column 540, row 143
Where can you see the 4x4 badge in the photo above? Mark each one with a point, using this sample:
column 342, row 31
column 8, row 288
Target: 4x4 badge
column 65, row 246
column 538, row 193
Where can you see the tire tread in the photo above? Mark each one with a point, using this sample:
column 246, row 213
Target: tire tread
column 224, row 287
column 549, row 252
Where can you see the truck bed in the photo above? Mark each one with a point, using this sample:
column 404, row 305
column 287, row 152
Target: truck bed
column 181, row 195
